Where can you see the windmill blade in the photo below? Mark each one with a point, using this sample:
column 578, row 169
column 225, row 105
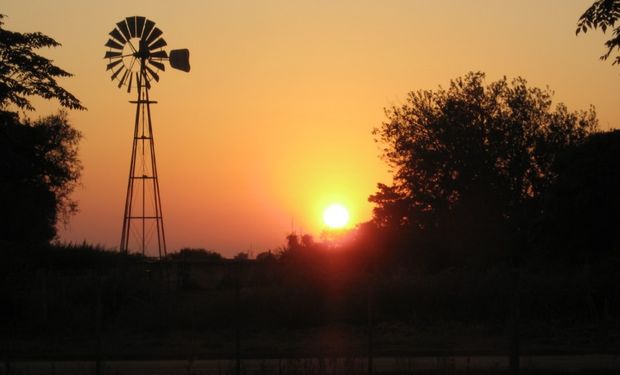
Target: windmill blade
column 129, row 84
column 158, row 44
column 122, row 80
column 159, row 55
column 139, row 26
column 113, row 64
column 117, row 72
column 117, row 35
column 154, row 35
column 179, row 59
column 149, row 53
column 158, row 65
column 113, row 44
column 122, row 26
column 152, row 72
column 148, row 27
column 111, row 54
column 131, row 22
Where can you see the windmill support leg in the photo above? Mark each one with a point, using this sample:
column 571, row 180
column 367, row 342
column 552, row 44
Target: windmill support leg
column 143, row 212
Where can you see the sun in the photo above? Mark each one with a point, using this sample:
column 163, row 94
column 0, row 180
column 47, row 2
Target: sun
column 336, row 216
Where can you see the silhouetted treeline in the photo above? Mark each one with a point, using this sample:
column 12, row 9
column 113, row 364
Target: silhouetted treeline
column 154, row 309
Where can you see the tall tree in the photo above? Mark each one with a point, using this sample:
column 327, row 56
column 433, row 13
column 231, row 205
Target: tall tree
column 469, row 161
column 39, row 165
column 603, row 14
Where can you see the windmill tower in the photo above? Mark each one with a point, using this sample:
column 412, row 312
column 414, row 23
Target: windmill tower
column 136, row 57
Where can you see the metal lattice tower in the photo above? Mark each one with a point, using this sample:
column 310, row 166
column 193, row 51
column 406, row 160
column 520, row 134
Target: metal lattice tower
column 136, row 57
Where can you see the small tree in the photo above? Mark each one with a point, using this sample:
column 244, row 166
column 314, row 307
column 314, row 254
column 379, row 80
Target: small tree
column 603, row 14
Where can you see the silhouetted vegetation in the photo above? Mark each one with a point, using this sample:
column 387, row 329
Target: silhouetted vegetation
column 603, row 14
column 581, row 211
column 24, row 73
column 195, row 255
column 39, row 168
column 306, row 301
column 471, row 163
column 39, row 165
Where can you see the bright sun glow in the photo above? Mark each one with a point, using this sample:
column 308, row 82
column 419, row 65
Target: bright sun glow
column 336, row 216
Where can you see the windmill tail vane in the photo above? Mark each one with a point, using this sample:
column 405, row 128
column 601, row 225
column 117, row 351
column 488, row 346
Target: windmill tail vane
column 136, row 57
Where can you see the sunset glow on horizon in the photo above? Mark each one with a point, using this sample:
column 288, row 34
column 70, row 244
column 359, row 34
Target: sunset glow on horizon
column 274, row 122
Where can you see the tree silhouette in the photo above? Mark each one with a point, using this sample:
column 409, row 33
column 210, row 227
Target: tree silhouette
column 39, row 169
column 603, row 14
column 469, row 161
column 582, row 210
column 39, row 165
column 24, row 73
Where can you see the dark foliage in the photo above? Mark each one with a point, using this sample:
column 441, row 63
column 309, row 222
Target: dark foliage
column 39, row 166
column 266, row 257
column 196, row 255
column 582, row 209
column 39, row 169
column 60, row 294
column 603, row 14
column 470, row 163
column 24, row 73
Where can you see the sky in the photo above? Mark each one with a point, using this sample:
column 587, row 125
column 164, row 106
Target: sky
column 274, row 121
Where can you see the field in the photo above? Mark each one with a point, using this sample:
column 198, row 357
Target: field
column 68, row 312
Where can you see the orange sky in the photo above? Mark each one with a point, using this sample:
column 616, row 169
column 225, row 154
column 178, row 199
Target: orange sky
column 274, row 121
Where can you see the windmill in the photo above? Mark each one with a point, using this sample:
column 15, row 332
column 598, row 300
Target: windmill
column 136, row 57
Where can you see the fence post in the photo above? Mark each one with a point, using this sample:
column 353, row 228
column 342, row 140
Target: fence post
column 98, row 324
column 237, row 322
column 515, row 339
column 370, row 303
